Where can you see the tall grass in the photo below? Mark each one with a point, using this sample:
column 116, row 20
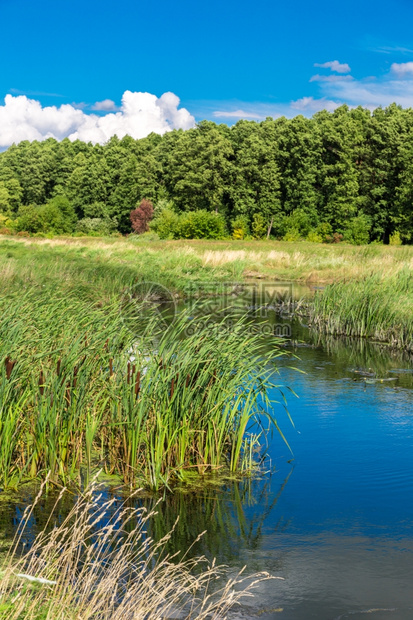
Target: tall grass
column 374, row 307
column 100, row 563
column 80, row 389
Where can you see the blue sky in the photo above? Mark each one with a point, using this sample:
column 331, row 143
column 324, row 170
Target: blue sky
column 223, row 60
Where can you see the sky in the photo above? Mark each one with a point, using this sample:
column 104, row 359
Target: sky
column 89, row 69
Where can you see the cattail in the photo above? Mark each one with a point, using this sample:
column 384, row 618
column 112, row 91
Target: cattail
column 172, row 388
column 188, row 379
column 106, row 347
column 59, row 363
column 41, row 382
column 128, row 378
column 10, row 364
column 133, row 369
column 138, row 383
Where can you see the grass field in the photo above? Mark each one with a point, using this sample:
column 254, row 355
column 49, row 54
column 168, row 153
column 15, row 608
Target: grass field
column 177, row 261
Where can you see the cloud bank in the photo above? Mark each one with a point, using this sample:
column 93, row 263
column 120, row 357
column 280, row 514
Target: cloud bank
column 140, row 114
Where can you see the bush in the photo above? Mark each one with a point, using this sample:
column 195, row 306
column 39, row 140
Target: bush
column 240, row 227
column 395, row 238
column 334, row 238
column 201, row 225
column 292, row 234
column 166, row 225
column 28, row 219
column 314, row 237
column 141, row 217
column 357, row 230
column 6, row 231
column 259, row 226
column 325, row 231
column 296, row 225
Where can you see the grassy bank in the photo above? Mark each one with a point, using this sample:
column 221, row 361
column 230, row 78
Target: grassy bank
column 177, row 262
column 370, row 294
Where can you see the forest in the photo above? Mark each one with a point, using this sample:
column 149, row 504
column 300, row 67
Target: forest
column 346, row 174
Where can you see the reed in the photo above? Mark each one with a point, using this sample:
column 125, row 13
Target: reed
column 100, row 562
column 80, row 390
column 375, row 307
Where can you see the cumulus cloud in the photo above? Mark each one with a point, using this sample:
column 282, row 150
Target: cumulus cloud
column 107, row 105
column 22, row 118
column 402, row 69
column 334, row 65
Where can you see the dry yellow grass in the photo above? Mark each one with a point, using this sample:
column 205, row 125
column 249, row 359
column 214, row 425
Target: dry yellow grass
column 100, row 562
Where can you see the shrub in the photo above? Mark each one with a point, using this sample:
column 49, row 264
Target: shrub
column 259, row 226
column 334, row 238
column 6, row 231
column 201, row 225
column 395, row 238
column 166, row 225
column 240, row 227
column 314, row 237
column 28, row 219
column 357, row 230
column 141, row 217
column 325, row 231
column 292, row 234
column 296, row 225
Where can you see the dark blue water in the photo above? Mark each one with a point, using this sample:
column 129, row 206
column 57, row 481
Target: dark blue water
column 333, row 520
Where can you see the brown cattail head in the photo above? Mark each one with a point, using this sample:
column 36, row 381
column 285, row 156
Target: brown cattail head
column 188, row 379
column 59, row 363
column 41, row 382
column 138, row 383
column 128, row 377
column 106, row 347
column 10, row 364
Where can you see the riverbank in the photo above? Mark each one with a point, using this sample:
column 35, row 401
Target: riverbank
column 177, row 262
column 367, row 290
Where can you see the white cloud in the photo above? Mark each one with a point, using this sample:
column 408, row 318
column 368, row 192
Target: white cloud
column 309, row 104
column 107, row 105
column 140, row 114
column 237, row 114
column 402, row 69
column 330, row 78
column 334, row 65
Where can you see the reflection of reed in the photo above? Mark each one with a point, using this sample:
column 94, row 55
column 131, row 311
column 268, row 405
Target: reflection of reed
column 232, row 518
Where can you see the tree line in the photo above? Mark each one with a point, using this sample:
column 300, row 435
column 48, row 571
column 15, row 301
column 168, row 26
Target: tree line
column 347, row 173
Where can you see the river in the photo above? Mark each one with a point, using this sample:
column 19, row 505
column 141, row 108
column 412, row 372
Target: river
column 333, row 519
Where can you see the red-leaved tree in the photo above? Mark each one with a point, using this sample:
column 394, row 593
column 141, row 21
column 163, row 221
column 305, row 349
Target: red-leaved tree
column 141, row 216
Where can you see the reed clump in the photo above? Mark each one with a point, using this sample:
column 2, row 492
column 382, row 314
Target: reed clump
column 375, row 307
column 99, row 562
column 85, row 386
